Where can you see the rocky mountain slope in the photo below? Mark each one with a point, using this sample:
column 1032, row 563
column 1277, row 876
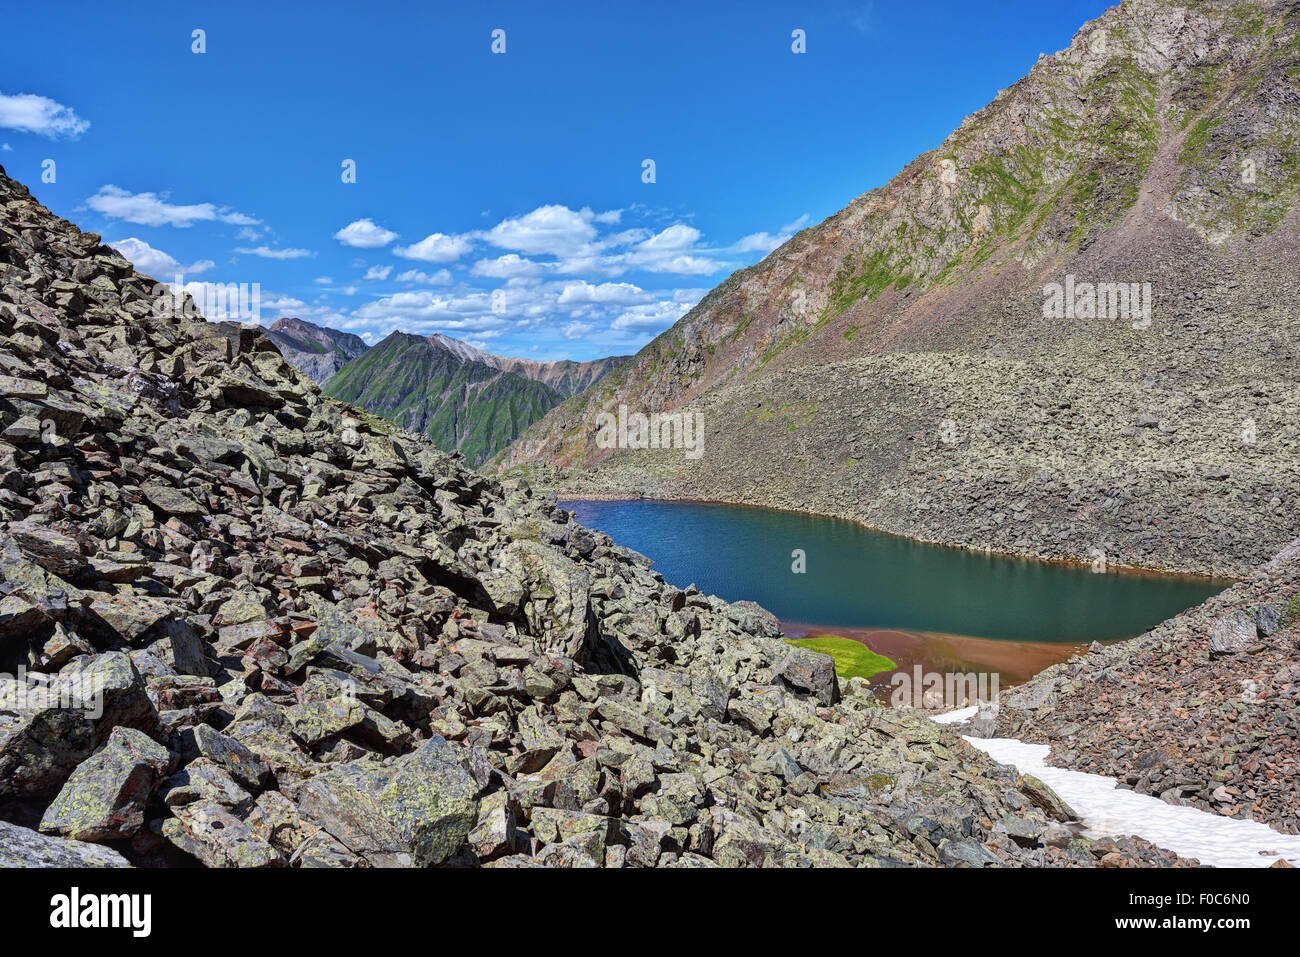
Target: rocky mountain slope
column 916, row 362
column 258, row 629
column 315, row 350
column 1203, row 710
column 464, row 399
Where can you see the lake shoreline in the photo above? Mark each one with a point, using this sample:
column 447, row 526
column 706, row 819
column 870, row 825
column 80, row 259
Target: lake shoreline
column 1199, row 576
column 1015, row 662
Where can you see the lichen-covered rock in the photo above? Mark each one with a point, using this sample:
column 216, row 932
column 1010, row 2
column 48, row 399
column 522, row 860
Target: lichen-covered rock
column 48, row 728
column 106, row 795
column 415, row 812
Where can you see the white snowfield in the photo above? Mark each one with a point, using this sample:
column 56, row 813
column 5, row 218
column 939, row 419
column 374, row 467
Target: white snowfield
column 1108, row 810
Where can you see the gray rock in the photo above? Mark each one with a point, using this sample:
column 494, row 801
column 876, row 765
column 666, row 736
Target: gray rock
column 810, row 672
column 20, row 847
column 106, row 795
column 1231, row 633
column 415, row 812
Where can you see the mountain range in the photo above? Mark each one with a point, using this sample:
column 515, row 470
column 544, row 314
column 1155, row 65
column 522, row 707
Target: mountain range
column 1071, row 330
column 465, row 399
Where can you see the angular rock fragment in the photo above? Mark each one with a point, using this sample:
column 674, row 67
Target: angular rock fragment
column 106, row 795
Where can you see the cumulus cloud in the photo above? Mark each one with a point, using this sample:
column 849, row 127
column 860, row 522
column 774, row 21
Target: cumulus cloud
column 152, row 209
column 509, row 266
column 365, row 234
column 547, row 231
column 673, row 250
column 378, row 272
column 155, row 262
column 605, row 293
column 765, row 242
column 266, row 252
column 424, row 311
column 651, row 317
column 436, row 248
column 29, row 113
column 440, row 277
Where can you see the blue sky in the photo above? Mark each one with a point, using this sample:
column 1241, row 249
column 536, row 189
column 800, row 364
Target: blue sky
column 498, row 197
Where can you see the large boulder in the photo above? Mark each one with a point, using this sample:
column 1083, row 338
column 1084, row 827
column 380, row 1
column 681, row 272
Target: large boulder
column 1232, row 633
column 47, row 730
column 556, row 603
column 105, row 797
column 416, row 811
column 810, row 672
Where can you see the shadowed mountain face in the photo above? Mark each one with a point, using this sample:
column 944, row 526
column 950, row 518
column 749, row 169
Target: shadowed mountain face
column 315, row 350
column 1070, row 330
column 461, row 397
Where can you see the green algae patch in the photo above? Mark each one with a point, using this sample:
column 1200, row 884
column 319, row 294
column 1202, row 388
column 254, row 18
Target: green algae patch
column 853, row 659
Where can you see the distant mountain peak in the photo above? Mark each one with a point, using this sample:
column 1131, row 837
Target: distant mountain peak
column 315, row 350
column 462, row 397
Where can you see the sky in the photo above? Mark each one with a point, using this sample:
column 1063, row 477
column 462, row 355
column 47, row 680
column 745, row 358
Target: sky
column 499, row 197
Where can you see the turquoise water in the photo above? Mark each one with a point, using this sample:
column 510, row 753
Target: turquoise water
column 857, row 578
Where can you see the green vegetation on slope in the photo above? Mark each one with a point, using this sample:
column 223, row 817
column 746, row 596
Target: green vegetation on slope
column 461, row 405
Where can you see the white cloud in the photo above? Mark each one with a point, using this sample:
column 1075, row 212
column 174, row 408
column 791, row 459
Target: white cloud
column 548, row 230
column 29, row 113
column 758, row 243
column 620, row 293
column 365, row 234
column 250, row 234
column 6, row 148
column 509, row 266
column 285, row 304
column 378, row 272
column 576, row 330
column 673, row 250
column 152, row 209
column 436, row 248
column 423, row 312
column 155, row 262
column 765, row 242
column 440, row 277
column 652, row 317
column 323, row 280
column 266, row 252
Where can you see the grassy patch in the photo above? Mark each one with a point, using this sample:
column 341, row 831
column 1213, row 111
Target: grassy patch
column 853, row 659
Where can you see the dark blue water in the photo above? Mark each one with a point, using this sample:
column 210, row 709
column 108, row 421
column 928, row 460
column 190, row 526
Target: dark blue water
column 857, row 578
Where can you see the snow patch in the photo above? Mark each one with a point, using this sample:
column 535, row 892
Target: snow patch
column 961, row 715
column 1109, row 810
